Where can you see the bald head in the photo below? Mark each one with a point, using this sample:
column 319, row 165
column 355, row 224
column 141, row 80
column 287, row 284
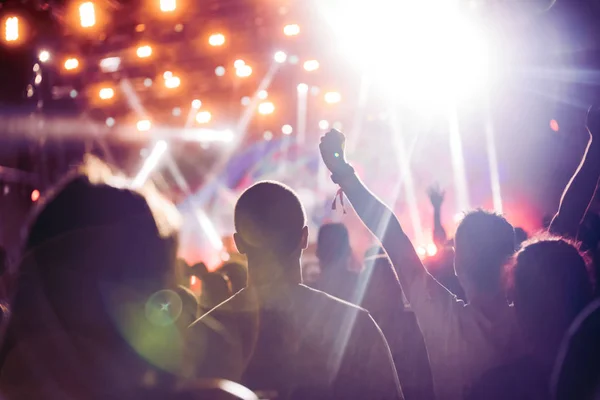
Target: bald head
column 270, row 218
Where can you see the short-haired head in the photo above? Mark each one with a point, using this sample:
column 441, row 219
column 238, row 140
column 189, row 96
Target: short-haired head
column 550, row 286
column 484, row 242
column 270, row 221
column 333, row 244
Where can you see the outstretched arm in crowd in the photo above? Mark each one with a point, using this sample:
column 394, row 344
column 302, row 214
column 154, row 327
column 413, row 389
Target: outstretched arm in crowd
column 436, row 196
column 580, row 189
column 380, row 220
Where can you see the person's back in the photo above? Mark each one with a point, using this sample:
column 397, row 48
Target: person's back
column 279, row 335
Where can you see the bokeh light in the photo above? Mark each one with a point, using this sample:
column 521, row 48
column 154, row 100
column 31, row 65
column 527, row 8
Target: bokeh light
column 168, row 5
column 287, row 129
column 203, row 117
column 144, row 51
column 244, row 71
column 311, row 65
column 291, row 30
column 87, row 14
column 35, row 195
column 280, row 57
column 144, row 125
column 44, row 56
column 333, row 97
column 106, row 93
column 196, row 104
column 266, row 108
column 554, row 125
column 216, row 39
column 71, row 64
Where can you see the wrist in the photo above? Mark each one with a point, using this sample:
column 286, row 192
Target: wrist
column 341, row 172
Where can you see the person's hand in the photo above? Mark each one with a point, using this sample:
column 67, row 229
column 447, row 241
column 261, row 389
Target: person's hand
column 593, row 121
column 332, row 151
column 436, row 196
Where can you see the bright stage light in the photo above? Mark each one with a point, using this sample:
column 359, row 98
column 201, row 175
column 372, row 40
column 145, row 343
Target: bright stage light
column 302, row 88
column 172, row 82
column 11, row 29
column 431, row 250
column 87, row 14
column 203, row 117
column 266, row 108
column 287, row 129
column 144, row 125
column 216, row 39
column 239, row 63
column 71, row 64
column 196, row 104
column 144, row 51
column 291, row 30
column 324, row 124
column 44, row 56
column 106, row 93
column 333, row 97
column 311, row 65
column 168, row 5
column 35, row 195
column 280, row 57
column 244, row 71
column 263, row 94
column 438, row 56
column 110, row 64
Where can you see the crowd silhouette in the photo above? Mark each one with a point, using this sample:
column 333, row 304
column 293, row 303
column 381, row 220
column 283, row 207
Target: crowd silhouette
column 100, row 307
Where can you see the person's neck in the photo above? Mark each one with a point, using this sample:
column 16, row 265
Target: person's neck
column 266, row 271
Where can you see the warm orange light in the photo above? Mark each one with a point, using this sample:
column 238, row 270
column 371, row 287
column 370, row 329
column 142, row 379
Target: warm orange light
column 333, row 97
column 266, row 108
column 106, row 93
column 71, row 64
column 216, row 39
column 168, row 5
column 291, row 30
column 11, row 29
column 144, row 125
column 172, row 82
column 87, row 14
column 203, row 117
column 244, row 71
column 144, row 51
column 35, row 195
column 311, row 65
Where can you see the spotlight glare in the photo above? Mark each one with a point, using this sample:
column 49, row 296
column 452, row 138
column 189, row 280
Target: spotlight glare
column 71, row 64
column 172, row 82
column 144, row 51
column 291, row 30
column 280, row 57
column 287, row 129
column 311, row 65
column 220, row 70
column 203, row 117
column 333, row 97
column 106, row 93
column 216, row 39
column 168, row 5
column 244, row 72
column 302, row 88
column 87, row 14
column 110, row 64
column 196, row 104
column 431, row 250
column 144, row 125
column 11, row 29
column 44, row 56
column 266, row 108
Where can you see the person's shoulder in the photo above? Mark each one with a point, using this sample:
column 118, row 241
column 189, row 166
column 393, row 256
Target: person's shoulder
column 331, row 301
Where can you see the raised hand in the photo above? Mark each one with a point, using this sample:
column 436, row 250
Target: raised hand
column 332, row 148
column 436, row 196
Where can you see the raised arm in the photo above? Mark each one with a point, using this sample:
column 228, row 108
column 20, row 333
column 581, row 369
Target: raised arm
column 436, row 196
column 380, row 220
column 580, row 189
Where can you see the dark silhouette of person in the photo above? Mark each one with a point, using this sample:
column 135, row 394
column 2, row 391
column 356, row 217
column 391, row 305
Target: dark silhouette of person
column 577, row 370
column 215, row 290
column 551, row 286
column 398, row 324
column 335, row 262
column 236, row 273
column 463, row 340
column 85, row 321
column 280, row 336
